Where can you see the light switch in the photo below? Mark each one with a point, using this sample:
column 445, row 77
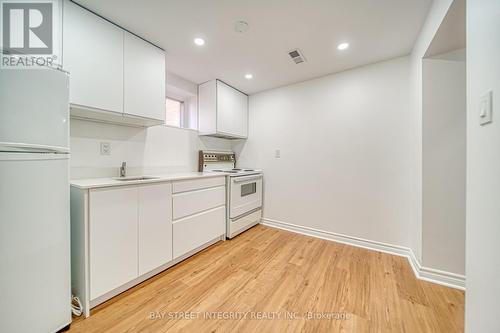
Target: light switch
column 105, row 148
column 485, row 108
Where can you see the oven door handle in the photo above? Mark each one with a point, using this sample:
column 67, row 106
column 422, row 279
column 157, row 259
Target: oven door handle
column 246, row 178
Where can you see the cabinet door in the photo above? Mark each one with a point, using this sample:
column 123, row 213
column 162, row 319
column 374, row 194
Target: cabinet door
column 93, row 55
column 144, row 70
column 113, row 238
column 232, row 111
column 207, row 108
column 155, row 226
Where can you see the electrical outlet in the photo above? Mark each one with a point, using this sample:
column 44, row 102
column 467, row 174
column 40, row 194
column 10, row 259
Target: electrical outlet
column 105, row 148
column 277, row 153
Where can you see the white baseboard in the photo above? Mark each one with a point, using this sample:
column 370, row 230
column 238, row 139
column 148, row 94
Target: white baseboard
column 423, row 273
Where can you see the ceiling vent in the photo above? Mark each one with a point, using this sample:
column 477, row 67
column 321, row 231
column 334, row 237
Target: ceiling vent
column 297, row 56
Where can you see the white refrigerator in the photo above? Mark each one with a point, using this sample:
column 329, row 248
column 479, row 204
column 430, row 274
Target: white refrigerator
column 35, row 293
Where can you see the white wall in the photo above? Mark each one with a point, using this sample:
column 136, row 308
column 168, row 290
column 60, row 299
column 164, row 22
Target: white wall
column 483, row 169
column 306, row 117
column 345, row 152
column 158, row 149
column 437, row 12
column 184, row 90
column 444, row 113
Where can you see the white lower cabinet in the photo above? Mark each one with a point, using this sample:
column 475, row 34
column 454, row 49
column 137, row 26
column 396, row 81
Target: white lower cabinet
column 112, row 238
column 193, row 231
column 192, row 202
column 130, row 234
column 155, row 226
column 199, row 213
column 123, row 235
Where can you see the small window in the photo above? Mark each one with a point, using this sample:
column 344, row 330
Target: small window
column 174, row 113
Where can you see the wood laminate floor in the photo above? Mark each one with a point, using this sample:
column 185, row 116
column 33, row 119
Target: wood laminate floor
column 269, row 280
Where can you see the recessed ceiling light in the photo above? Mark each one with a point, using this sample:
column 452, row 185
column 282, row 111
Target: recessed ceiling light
column 199, row 41
column 343, row 46
column 248, row 76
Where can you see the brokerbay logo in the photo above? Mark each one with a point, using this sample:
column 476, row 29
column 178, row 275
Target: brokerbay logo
column 27, row 34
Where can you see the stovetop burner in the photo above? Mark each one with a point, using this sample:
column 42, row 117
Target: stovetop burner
column 235, row 170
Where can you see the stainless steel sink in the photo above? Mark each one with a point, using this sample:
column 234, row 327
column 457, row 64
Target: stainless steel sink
column 130, row 178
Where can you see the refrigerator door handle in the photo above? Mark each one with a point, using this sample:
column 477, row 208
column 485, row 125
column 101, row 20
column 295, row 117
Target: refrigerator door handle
column 31, row 148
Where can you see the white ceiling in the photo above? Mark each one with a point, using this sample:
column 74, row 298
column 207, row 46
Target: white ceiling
column 451, row 33
column 375, row 29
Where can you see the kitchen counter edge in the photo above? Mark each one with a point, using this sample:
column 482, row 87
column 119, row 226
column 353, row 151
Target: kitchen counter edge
column 110, row 182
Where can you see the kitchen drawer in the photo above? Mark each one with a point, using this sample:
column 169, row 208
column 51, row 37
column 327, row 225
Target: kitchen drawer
column 197, row 184
column 193, row 231
column 193, row 202
column 237, row 226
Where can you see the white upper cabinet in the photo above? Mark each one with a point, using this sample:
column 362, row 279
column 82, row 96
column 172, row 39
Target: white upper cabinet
column 93, row 55
column 223, row 110
column 144, row 76
column 114, row 75
column 232, row 111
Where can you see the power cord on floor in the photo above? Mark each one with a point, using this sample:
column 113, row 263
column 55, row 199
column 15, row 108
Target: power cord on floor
column 76, row 306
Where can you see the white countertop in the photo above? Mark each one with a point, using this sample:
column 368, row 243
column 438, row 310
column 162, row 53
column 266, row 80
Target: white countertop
column 109, row 181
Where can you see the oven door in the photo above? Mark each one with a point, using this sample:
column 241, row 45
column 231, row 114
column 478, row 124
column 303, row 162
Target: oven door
column 246, row 194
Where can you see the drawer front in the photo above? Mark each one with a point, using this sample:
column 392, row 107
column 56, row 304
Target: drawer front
column 196, row 230
column 197, row 184
column 237, row 226
column 188, row 203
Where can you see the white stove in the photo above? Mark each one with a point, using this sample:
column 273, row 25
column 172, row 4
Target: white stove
column 243, row 190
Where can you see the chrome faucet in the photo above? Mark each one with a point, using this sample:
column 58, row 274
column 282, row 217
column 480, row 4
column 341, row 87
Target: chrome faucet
column 123, row 169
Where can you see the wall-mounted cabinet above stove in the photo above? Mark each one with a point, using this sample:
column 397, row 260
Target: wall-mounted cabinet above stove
column 223, row 110
column 115, row 76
